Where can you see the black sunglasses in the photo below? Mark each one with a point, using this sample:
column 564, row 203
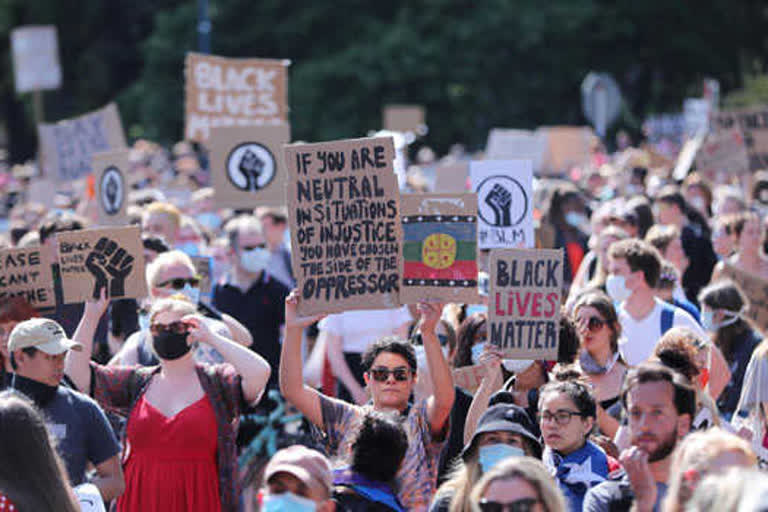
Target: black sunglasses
column 252, row 247
column 594, row 324
column 180, row 282
column 177, row 327
column 521, row 505
column 381, row 374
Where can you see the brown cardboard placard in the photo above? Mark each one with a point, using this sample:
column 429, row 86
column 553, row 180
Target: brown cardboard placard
column 221, row 91
column 27, row 273
column 756, row 290
column 439, row 248
column 452, row 178
column 469, row 378
column 723, row 155
column 93, row 259
column 566, row 146
column 404, row 118
column 111, row 171
column 247, row 165
column 203, row 269
column 753, row 124
column 524, row 302
column 66, row 147
column 512, row 144
column 343, row 209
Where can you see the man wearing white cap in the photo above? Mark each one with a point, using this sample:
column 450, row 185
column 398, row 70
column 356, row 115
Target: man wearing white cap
column 300, row 479
column 38, row 348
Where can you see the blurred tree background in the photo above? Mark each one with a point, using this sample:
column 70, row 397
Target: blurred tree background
column 474, row 65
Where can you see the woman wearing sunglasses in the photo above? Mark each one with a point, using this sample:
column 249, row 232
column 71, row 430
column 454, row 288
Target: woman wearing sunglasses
column 180, row 451
column 519, row 484
column 599, row 330
column 567, row 414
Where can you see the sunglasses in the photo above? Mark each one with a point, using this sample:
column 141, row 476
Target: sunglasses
column 381, row 374
column 180, row 282
column 418, row 340
column 177, row 327
column 252, row 247
column 521, row 505
column 594, row 324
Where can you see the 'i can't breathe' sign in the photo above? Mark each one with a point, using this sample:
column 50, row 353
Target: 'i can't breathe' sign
column 524, row 305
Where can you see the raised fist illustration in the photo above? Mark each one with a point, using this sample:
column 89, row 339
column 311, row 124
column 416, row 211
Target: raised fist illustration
column 110, row 265
column 111, row 191
column 500, row 201
column 251, row 166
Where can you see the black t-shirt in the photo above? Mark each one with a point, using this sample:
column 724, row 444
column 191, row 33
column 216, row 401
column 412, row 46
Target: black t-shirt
column 455, row 442
column 261, row 309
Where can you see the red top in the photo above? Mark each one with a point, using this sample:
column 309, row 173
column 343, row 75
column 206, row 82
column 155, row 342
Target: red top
column 171, row 462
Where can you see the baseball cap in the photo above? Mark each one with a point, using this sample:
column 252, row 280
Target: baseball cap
column 505, row 418
column 309, row 466
column 43, row 334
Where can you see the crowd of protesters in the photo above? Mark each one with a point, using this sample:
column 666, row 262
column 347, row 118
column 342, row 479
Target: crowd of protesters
column 658, row 399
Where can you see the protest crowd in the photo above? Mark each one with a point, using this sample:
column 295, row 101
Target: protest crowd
column 353, row 326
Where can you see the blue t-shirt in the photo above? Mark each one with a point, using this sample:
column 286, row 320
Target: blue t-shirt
column 81, row 430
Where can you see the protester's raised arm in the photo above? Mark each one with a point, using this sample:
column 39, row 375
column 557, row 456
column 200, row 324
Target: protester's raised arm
column 440, row 403
column 240, row 334
column 292, row 386
column 77, row 365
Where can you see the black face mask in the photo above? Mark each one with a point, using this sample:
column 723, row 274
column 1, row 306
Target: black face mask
column 38, row 392
column 170, row 345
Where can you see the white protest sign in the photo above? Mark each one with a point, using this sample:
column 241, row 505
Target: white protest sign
column 504, row 202
column 508, row 144
column 35, row 58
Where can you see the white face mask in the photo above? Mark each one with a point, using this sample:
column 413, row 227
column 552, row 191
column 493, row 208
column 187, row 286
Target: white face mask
column 616, row 286
column 516, row 366
column 255, row 260
column 577, row 220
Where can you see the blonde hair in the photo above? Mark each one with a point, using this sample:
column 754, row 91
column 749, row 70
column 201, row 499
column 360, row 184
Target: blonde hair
column 530, row 470
column 167, row 209
column 166, row 259
column 737, row 489
column 694, row 459
column 174, row 304
column 463, row 477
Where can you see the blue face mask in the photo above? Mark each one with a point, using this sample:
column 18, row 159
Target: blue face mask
column 477, row 350
column 255, row 260
column 492, row 454
column 287, row 502
column 192, row 293
column 189, row 248
column 210, row 220
column 476, row 308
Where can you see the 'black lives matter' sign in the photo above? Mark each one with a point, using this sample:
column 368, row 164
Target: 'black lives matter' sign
column 345, row 228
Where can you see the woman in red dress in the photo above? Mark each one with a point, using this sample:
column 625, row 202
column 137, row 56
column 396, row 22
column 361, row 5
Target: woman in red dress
column 179, row 442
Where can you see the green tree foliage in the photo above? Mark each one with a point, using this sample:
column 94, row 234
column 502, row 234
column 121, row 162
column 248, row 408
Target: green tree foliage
column 474, row 65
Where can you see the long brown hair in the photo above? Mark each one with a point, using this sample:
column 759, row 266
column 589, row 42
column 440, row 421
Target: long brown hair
column 602, row 303
column 32, row 474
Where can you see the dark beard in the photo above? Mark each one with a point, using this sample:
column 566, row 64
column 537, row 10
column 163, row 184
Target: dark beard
column 665, row 448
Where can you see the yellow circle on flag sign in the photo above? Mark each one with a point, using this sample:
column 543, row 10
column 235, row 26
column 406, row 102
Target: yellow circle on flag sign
column 438, row 251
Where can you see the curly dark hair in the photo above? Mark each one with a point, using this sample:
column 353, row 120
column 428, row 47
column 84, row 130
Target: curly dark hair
column 389, row 344
column 380, row 446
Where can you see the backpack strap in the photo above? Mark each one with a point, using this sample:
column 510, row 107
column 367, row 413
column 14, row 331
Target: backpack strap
column 667, row 318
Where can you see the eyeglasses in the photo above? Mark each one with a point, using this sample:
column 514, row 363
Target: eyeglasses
column 521, row 505
column 252, row 247
column 561, row 417
column 177, row 327
column 381, row 374
column 594, row 324
column 180, row 282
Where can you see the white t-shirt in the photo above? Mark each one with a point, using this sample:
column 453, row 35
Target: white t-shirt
column 358, row 329
column 639, row 338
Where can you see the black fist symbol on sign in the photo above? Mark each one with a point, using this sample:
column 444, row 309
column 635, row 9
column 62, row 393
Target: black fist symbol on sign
column 110, row 265
column 251, row 166
column 500, row 201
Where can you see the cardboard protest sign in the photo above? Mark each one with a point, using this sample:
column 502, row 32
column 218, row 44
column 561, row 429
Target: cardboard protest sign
column 233, row 92
column 27, row 273
column 524, row 304
column 247, row 165
column 504, row 191
column 203, row 267
column 452, row 177
column 756, row 290
column 754, row 126
column 723, row 155
column 111, row 171
column 343, row 208
column 404, row 118
column 506, row 144
column 35, row 58
column 43, row 191
column 686, row 157
column 469, row 378
column 566, row 146
column 92, row 259
column 439, row 249
column 68, row 146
